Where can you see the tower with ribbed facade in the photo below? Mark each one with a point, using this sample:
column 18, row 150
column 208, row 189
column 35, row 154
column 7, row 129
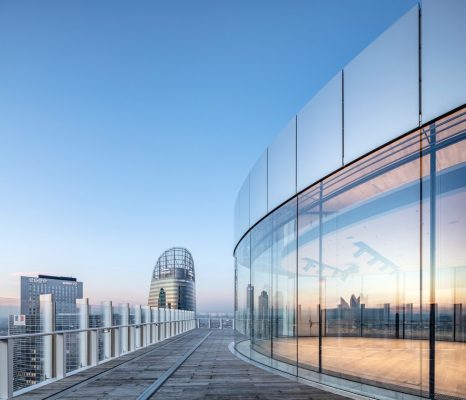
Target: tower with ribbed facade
column 173, row 281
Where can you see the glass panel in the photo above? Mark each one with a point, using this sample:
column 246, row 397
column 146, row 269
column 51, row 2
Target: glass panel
column 261, row 291
column 28, row 353
column 308, row 279
column 319, row 134
column 9, row 306
column 381, row 96
column 236, row 230
column 449, row 185
column 443, row 57
column 258, row 189
column 243, row 222
column 284, row 344
column 282, row 166
column 370, row 272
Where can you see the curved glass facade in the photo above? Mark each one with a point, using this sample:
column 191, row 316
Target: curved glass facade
column 173, row 281
column 361, row 278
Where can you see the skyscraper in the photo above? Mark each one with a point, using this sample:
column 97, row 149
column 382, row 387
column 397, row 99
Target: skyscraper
column 173, row 281
column 28, row 352
column 65, row 290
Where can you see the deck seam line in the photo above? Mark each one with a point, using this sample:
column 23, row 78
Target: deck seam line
column 152, row 389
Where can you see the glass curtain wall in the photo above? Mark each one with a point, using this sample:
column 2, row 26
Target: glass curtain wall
column 363, row 275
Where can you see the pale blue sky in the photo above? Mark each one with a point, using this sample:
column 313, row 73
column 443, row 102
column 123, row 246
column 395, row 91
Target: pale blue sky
column 127, row 127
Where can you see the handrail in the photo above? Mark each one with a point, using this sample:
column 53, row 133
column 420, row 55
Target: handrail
column 99, row 328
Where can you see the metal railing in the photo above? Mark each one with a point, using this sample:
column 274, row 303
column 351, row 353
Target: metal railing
column 215, row 323
column 51, row 348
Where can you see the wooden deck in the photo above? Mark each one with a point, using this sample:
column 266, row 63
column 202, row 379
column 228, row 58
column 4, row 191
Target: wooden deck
column 212, row 371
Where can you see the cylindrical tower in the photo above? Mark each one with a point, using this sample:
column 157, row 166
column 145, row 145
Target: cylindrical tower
column 173, row 281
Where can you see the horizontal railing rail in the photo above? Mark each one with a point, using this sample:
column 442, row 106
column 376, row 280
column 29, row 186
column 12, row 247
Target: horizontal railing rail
column 99, row 328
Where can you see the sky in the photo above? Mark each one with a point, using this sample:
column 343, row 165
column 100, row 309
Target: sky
column 128, row 127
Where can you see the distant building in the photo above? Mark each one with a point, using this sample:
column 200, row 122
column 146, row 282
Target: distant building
column 29, row 351
column 65, row 290
column 173, row 281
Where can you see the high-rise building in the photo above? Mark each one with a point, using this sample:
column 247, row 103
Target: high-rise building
column 64, row 289
column 28, row 352
column 173, row 281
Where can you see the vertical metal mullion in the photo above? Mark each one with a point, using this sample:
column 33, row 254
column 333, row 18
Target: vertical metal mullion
column 420, row 62
column 272, row 287
column 320, row 275
column 295, row 319
column 251, row 299
column 433, row 254
column 342, row 117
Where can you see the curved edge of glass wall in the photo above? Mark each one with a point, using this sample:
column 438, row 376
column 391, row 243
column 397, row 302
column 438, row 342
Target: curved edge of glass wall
column 360, row 280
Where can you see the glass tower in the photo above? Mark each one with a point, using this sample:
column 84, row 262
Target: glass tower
column 173, row 281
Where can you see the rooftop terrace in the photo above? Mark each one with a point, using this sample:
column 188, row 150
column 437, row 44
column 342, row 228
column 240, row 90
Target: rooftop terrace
column 193, row 365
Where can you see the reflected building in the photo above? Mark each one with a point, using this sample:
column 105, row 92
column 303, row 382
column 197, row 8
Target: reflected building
column 351, row 230
column 173, row 281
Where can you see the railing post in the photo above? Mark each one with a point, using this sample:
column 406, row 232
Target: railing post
column 210, row 323
column 107, row 323
column 173, row 322
column 132, row 338
column 162, row 323
column 60, row 356
column 165, row 323
column 137, row 321
column 116, row 351
column 93, row 356
column 47, row 317
column 198, row 323
column 124, row 331
column 147, row 328
column 6, row 368
column 221, row 323
column 83, row 307
column 170, row 324
column 155, row 326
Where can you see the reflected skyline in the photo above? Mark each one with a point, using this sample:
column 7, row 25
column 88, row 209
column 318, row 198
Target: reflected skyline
column 376, row 252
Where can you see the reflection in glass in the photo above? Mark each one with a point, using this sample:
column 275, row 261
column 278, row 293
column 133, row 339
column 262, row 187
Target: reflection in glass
column 261, row 291
column 243, row 299
column 284, row 241
column 363, row 275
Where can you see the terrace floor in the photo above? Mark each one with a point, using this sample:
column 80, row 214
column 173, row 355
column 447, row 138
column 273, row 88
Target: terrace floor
column 210, row 371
